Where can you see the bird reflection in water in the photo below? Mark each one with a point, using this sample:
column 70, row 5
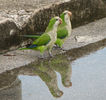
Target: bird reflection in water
column 47, row 69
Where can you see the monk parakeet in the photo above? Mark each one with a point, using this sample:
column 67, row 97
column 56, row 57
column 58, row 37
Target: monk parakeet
column 48, row 38
column 64, row 30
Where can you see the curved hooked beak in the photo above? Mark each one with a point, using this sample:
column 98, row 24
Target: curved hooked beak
column 60, row 20
column 70, row 13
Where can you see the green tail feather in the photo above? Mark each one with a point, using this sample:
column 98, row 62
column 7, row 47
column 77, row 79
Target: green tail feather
column 31, row 36
column 40, row 48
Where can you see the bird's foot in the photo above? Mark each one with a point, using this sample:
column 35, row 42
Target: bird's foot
column 62, row 51
column 60, row 48
column 50, row 54
column 56, row 46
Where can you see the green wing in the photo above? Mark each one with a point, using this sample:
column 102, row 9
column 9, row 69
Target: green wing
column 62, row 32
column 42, row 40
column 40, row 43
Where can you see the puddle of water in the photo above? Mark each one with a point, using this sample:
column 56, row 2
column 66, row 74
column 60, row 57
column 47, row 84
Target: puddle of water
column 81, row 79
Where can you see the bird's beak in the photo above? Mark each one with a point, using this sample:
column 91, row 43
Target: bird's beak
column 70, row 13
column 60, row 20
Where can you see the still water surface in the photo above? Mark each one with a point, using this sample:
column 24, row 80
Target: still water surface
column 80, row 79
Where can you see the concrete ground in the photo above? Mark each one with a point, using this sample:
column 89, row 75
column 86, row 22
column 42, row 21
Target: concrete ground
column 81, row 36
column 20, row 10
column 24, row 4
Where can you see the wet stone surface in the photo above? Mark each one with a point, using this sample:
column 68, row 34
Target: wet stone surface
column 76, row 75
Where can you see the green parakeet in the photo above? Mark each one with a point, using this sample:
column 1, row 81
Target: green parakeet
column 48, row 38
column 64, row 30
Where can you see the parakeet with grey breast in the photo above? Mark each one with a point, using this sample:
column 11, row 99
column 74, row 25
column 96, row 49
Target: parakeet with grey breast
column 47, row 39
column 64, row 30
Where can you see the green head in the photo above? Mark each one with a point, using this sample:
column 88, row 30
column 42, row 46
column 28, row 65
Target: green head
column 65, row 16
column 54, row 22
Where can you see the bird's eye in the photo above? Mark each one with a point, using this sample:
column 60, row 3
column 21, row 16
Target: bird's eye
column 56, row 19
column 65, row 13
